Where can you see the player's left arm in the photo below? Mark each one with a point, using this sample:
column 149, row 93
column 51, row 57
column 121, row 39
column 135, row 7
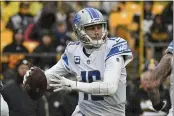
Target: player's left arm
column 161, row 72
column 163, row 69
column 108, row 86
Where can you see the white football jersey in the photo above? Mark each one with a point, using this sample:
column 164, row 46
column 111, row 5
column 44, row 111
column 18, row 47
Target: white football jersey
column 91, row 69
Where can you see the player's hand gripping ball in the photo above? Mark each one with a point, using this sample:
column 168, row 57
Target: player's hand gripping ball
column 35, row 83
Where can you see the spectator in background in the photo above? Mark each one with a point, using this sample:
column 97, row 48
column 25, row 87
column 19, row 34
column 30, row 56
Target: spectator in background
column 148, row 16
column 167, row 14
column 17, row 45
column 22, row 19
column 21, row 67
column 51, row 4
column 158, row 34
column 158, row 30
column 167, row 17
column 138, row 100
column 46, row 46
column 134, row 27
column 20, row 104
column 61, row 38
column 61, row 14
column 44, row 23
column 69, row 20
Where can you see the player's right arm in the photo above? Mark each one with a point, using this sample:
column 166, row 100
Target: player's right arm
column 57, row 70
column 61, row 68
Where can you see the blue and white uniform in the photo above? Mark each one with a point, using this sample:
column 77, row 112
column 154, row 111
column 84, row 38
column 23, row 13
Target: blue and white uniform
column 93, row 69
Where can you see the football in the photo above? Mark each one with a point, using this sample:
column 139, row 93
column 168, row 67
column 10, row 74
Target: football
column 36, row 83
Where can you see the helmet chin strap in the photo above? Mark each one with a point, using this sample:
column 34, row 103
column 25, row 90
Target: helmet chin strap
column 95, row 43
column 91, row 48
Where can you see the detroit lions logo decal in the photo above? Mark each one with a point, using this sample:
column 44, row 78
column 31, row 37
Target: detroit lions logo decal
column 76, row 18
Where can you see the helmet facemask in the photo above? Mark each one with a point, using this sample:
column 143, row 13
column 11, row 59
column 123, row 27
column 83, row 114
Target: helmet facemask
column 93, row 39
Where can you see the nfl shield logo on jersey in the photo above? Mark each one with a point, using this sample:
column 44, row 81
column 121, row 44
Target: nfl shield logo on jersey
column 88, row 61
column 77, row 59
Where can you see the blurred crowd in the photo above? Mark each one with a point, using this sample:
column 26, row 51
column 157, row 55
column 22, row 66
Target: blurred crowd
column 36, row 33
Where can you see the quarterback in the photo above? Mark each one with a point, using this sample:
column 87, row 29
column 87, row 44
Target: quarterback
column 98, row 62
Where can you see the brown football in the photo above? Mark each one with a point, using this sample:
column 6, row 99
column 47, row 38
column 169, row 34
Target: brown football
column 36, row 83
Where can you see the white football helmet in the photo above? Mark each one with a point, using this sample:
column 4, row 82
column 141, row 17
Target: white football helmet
column 88, row 17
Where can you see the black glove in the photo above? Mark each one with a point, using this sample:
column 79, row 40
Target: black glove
column 160, row 106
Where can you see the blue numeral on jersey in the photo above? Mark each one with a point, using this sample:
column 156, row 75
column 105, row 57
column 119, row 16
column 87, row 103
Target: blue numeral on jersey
column 91, row 75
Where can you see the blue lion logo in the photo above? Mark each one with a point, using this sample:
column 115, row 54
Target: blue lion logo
column 76, row 18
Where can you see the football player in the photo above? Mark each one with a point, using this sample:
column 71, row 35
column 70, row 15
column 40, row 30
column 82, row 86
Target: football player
column 161, row 72
column 99, row 64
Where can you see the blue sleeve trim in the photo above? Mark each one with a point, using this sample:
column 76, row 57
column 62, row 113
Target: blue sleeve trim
column 65, row 59
column 170, row 48
column 117, row 44
column 170, row 45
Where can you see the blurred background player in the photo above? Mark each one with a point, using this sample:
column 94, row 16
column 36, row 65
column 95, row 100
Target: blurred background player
column 138, row 102
column 161, row 72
